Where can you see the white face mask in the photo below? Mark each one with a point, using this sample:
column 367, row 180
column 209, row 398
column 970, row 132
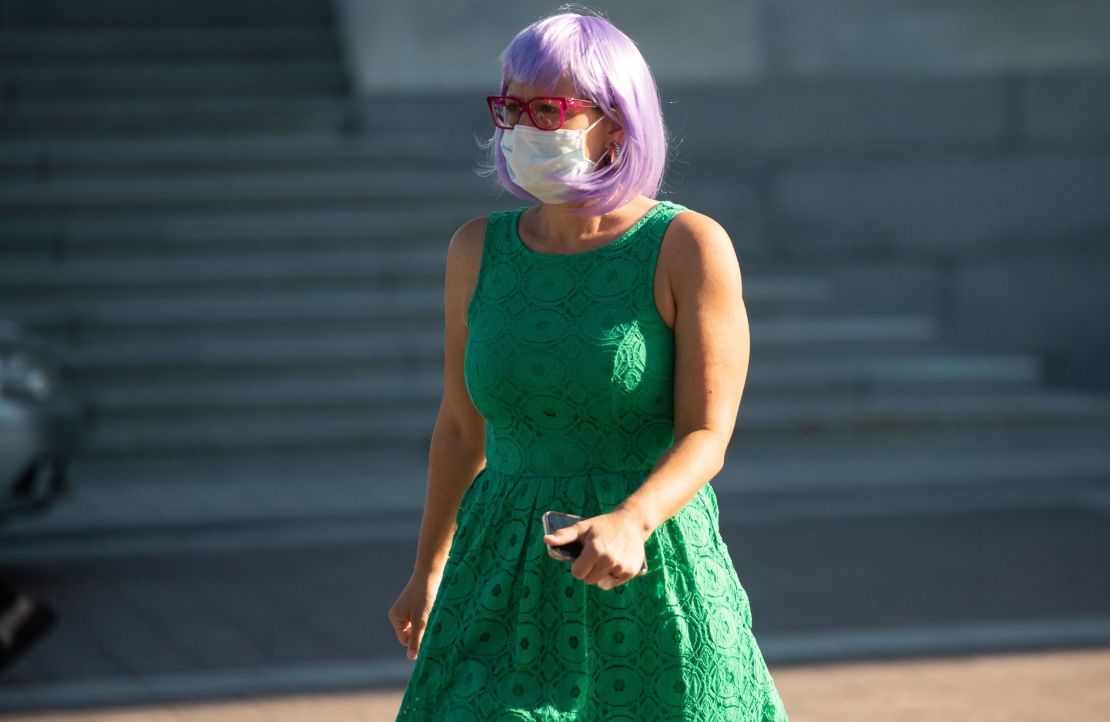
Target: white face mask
column 536, row 158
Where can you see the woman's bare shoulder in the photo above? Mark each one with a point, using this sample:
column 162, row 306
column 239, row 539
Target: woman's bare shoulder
column 695, row 244
column 466, row 242
column 692, row 227
column 464, row 259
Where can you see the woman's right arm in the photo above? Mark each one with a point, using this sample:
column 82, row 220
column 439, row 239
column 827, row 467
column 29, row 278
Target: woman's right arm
column 457, row 450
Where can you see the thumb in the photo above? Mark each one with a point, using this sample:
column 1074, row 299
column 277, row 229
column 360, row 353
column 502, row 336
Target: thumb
column 564, row 535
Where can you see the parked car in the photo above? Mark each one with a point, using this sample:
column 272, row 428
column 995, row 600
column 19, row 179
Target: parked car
column 40, row 422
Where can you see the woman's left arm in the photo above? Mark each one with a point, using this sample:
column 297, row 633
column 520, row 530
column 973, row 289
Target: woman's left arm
column 710, row 367
column 712, row 346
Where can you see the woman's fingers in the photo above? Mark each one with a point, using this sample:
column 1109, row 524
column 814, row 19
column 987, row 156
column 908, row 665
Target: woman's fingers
column 399, row 623
column 596, row 564
column 408, row 629
column 415, row 635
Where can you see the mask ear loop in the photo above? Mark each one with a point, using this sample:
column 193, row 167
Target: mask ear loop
column 614, row 150
column 584, row 132
column 591, row 126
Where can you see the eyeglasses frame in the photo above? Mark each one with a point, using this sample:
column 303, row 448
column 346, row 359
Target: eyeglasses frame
column 565, row 104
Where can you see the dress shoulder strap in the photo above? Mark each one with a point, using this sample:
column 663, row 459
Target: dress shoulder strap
column 656, row 228
column 496, row 267
column 500, row 227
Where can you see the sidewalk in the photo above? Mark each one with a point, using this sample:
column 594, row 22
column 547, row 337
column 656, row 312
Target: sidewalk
column 302, row 608
column 990, row 688
column 208, row 583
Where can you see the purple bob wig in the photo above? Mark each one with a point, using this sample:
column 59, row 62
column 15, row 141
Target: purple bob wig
column 606, row 67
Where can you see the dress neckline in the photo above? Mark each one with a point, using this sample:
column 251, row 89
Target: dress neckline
column 616, row 242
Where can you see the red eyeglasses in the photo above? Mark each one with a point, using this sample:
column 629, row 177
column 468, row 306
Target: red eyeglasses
column 546, row 112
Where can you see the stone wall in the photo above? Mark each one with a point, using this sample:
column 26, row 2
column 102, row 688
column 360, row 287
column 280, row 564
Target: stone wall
column 430, row 43
column 949, row 156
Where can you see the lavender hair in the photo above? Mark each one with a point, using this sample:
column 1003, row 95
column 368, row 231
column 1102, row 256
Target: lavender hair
column 606, row 67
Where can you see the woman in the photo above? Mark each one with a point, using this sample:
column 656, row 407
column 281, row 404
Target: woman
column 596, row 351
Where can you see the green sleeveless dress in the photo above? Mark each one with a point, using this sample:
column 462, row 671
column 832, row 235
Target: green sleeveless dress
column 572, row 367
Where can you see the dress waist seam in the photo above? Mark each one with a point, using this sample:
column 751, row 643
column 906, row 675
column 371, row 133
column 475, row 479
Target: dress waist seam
column 607, row 472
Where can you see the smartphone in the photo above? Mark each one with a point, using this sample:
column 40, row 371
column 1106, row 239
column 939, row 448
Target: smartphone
column 555, row 520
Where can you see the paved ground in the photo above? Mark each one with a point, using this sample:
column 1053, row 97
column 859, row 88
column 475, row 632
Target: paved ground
column 302, row 607
column 987, row 688
column 177, row 604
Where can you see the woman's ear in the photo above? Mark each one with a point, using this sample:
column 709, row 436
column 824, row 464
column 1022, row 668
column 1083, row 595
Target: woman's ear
column 616, row 133
column 613, row 143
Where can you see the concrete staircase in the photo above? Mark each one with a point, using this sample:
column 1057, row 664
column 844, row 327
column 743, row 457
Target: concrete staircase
column 240, row 261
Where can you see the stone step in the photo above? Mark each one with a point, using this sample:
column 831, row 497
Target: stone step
column 61, row 157
column 175, row 116
column 47, row 281
column 45, row 290
column 333, row 188
column 899, row 412
column 775, row 422
column 163, row 13
column 155, row 345
column 802, row 377
column 866, row 372
column 994, row 465
column 207, row 77
column 286, row 42
column 183, row 233
column 945, row 457
column 187, row 313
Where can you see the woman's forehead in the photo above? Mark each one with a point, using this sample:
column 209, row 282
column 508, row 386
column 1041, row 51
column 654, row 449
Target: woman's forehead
column 563, row 88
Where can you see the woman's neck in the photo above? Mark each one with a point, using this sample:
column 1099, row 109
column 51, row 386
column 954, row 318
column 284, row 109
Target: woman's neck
column 560, row 230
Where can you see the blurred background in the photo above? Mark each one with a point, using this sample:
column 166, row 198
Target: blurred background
column 223, row 227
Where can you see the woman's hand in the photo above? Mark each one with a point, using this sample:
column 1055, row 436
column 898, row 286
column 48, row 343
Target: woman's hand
column 409, row 613
column 612, row 547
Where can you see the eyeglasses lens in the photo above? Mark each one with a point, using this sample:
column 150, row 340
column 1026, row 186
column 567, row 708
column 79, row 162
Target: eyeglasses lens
column 546, row 114
column 507, row 113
